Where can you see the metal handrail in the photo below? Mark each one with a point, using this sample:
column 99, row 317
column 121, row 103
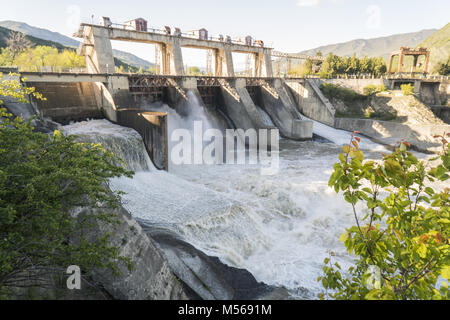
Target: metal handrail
column 164, row 32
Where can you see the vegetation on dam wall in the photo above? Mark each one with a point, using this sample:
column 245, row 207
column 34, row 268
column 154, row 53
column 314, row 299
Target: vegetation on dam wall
column 379, row 104
column 334, row 66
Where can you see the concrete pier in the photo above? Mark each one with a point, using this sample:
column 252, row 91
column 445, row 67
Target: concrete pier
column 97, row 49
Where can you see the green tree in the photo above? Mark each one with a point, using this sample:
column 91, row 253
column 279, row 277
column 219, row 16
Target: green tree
column 365, row 65
column 328, row 69
column 6, row 57
column 195, row 71
column 379, row 67
column 35, row 59
column 401, row 241
column 43, row 178
column 407, row 89
column 354, row 65
column 444, row 68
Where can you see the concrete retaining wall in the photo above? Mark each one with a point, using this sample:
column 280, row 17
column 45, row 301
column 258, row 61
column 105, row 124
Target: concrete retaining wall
column 152, row 126
column 311, row 102
column 442, row 112
column 357, row 85
column 390, row 133
column 67, row 101
column 278, row 102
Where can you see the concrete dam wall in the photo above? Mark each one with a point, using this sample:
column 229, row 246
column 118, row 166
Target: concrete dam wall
column 239, row 103
column 68, row 101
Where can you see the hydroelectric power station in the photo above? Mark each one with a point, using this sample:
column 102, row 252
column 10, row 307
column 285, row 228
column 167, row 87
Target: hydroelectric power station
column 279, row 228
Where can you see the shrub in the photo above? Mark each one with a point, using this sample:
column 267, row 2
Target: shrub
column 401, row 242
column 333, row 91
column 407, row 89
column 381, row 88
column 371, row 89
column 42, row 179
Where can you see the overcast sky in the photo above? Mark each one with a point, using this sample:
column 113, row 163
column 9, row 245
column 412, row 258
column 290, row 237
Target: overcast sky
column 287, row 25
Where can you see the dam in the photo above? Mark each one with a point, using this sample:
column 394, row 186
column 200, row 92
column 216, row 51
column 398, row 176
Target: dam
column 260, row 101
column 124, row 99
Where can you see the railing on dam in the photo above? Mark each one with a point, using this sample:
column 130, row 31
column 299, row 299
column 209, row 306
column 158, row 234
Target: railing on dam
column 152, row 126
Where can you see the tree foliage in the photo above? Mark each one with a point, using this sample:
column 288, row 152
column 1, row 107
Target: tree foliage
column 372, row 89
column 407, row 89
column 12, row 88
column 401, row 245
column 43, row 179
column 444, row 68
column 336, row 91
column 335, row 65
column 39, row 57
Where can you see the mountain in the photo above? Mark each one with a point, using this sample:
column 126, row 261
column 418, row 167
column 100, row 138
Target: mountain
column 5, row 34
column 45, row 34
column 374, row 47
column 439, row 44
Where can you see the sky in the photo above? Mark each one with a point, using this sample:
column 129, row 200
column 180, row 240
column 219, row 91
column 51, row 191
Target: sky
column 286, row 25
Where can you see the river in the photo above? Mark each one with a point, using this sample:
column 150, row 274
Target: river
column 280, row 228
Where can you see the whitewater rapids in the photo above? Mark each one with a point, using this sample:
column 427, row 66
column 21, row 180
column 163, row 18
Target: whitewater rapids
column 280, row 228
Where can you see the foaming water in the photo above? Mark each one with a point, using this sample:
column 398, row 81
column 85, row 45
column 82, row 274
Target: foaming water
column 126, row 143
column 280, row 227
column 184, row 118
column 265, row 117
column 342, row 137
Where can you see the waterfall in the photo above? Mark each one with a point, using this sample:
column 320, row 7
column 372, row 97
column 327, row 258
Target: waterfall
column 126, row 143
column 265, row 117
column 342, row 137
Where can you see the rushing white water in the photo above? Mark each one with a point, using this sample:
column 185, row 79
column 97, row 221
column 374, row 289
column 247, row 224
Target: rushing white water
column 265, row 117
column 280, row 227
column 126, row 143
column 342, row 137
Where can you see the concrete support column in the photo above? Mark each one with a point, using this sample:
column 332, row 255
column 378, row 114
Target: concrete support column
column 417, row 87
column 268, row 64
column 165, row 59
column 99, row 56
column 171, row 59
column 263, row 65
column 416, row 60
column 427, row 62
column 400, row 62
column 220, row 63
column 259, row 64
column 391, row 60
column 176, row 62
column 228, row 62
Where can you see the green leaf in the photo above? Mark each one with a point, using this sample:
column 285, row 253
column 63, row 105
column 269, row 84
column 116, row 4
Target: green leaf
column 422, row 250
column 429, row 191
column 445, row 273
column 343, row 237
